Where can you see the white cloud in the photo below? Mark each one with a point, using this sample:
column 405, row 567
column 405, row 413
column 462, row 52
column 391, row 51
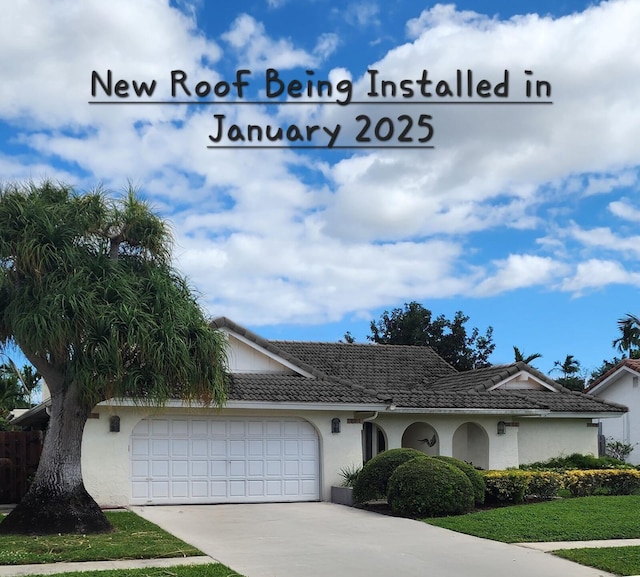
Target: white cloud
column 605, row 184
column 519, row 271
column 604, row 238
column 598, row 273
column 259, row 51
column 623, row 209
column 362, row 14
column 47, row 62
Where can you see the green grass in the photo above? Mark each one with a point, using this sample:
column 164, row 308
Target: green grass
column 213, row 570
column 619, row 560
column 580, row 519
column 133, row 538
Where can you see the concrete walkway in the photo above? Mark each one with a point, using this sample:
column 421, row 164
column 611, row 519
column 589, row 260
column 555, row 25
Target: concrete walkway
column 557, row 545
column 323, row 539
column 53, row 568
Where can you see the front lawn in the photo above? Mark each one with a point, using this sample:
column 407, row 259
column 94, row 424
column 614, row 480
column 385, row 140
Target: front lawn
column 619, row 560
column 579, row 519
column 213, row 570
column 133, row 538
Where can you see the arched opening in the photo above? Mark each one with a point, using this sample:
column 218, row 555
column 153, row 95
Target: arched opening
column 374, row 440
column 471, row 444
column 423, row 437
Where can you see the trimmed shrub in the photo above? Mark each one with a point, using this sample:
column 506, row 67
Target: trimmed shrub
column 576, row 461
column 371, row 483
column 506, row 486
column 598, row 481
column 543, row 484
column 477, row 481
column 427, row 487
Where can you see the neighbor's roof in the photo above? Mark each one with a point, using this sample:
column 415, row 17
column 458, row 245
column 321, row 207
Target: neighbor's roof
column 405, row 376
column 631, row 364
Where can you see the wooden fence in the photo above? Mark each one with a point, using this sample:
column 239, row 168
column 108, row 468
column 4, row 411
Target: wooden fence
column 19, row 457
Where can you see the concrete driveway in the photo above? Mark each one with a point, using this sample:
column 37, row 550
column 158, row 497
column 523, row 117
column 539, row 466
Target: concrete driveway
column 327, row 540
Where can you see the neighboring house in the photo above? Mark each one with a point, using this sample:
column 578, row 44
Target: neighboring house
column 298, row 412
column 620, row 385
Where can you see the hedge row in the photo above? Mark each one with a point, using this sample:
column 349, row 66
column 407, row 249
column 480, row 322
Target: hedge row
column 514, row 486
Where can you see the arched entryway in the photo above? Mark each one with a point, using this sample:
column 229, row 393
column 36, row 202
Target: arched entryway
column 421, row 436
column 374, row 440
column 471, row 444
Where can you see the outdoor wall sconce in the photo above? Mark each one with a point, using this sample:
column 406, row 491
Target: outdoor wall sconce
column 114, row 424
column 335, row 425
column 502, row 427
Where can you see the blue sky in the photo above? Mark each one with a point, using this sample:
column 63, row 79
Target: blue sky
column 524, row 217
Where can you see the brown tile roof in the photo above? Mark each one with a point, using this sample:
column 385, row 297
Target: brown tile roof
column 633, row 364
column 407, row 376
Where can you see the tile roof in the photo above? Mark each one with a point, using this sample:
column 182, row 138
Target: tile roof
column 407, row 376
column 633, row 364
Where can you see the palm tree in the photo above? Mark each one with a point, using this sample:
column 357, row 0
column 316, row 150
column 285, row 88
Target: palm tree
column 89, row 295
column 570, row 369
column 570, row 366
column 520, row 356
column 629, row 339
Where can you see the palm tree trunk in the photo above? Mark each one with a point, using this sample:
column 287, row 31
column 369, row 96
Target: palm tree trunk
column 57, row 501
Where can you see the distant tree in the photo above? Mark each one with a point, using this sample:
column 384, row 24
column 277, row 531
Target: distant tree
column 89, row 295
column 519, row 356
column 571, row 373
column 349, row 338
column 629, row 339
column 12, row 394
column 415, row 325
column 27, row 380
column 605, row 367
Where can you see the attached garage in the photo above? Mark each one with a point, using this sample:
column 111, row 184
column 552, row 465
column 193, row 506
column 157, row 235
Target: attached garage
column 188, row 459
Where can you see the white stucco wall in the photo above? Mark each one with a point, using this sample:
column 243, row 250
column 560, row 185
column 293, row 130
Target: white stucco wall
column 541, row 439
column 106, row 461
column 502, row 449
column 625, row 429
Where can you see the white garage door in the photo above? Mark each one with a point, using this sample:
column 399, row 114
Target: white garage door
column 223, row 460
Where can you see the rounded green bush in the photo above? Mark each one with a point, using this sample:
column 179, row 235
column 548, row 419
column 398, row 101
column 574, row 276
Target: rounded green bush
column 372, row 481
column 477, row 480
column 429, row 488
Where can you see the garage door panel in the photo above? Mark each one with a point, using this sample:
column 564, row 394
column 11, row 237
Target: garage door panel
column 199, row 428
column 160, row 427
column 218, row 448
column 179, row 448
column 179, row 427
column 256, row 448
column 237, row 428
column 180, row 469
column 219, row 469
column 237, row 448
column 218, row 460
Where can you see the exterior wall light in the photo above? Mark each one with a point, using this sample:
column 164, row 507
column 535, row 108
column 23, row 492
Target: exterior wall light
column 502, row 427
column 335, row 425
column 114, row 424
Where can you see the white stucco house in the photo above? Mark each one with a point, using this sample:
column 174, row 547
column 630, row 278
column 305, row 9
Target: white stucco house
column 298, row 412
column 620, row 385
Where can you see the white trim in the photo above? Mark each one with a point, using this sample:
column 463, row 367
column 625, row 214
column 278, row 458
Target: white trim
column 267, row 353
column 612, row 378
column 515, row 377
column 469, row 411
column 569, row 415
